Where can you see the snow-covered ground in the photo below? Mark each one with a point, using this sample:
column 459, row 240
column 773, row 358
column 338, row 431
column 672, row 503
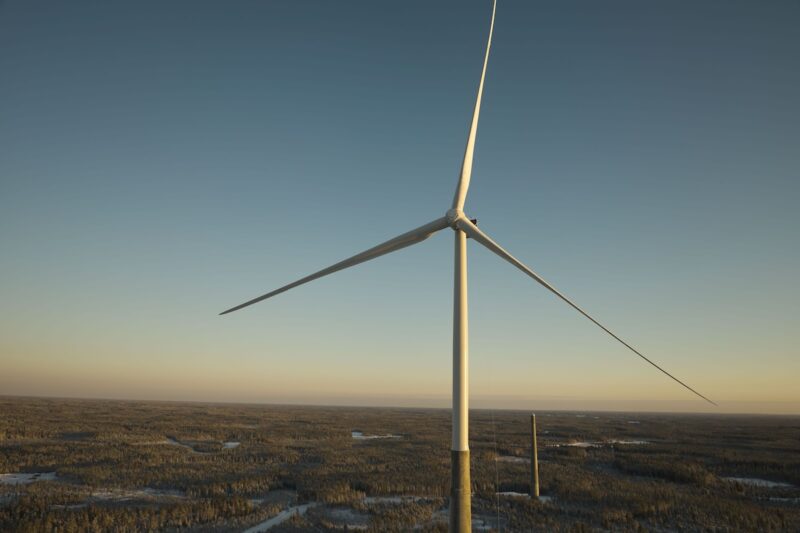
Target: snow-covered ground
column 756, row 482
column 512, row 494
column 513, row 459
column 227, row 445
column 175, row 442
column 342, row 517
column 135, row 494
column 358, row 435
column 23, row 478
column 581, row 444
column 785, row 500
column 281, row 517
column 354, row 519
column 599, row 444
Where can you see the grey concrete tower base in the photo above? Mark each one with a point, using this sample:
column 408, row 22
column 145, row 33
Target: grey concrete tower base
column 460, row 494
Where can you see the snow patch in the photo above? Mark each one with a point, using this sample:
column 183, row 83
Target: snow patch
column 598, row 444
column 513, row 459
column 756, row 482
column 281, row 517
column 20, row 478
column 135, row 494
column 512, row 494
column 358, row 435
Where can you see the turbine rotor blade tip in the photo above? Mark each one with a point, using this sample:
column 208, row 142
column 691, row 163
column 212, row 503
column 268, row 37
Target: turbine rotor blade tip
column 465, row 225
column 466, row 165
column 409, row 238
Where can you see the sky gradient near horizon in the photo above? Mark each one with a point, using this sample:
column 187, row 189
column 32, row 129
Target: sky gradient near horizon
column 163, row 161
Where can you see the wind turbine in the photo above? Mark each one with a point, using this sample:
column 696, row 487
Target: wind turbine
column 463, row 227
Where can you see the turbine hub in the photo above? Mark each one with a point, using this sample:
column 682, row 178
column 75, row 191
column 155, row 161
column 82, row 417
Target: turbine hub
column 453, row 215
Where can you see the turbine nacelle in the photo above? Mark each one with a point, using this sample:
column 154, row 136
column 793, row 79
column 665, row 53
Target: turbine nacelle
column 454, row 216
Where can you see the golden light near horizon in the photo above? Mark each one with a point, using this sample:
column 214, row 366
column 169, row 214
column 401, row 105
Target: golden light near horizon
column 390, row 380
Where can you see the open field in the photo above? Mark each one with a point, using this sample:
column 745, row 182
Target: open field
column 194, row 467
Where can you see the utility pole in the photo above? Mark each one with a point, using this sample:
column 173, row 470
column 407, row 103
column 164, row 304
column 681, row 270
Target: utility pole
column 534, row 460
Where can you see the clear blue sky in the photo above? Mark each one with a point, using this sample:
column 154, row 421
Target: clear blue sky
column 163, row 161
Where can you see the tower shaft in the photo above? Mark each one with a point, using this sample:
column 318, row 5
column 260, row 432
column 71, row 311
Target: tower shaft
column 460, row 492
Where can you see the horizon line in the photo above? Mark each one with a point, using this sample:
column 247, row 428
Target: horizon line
column 345, row 405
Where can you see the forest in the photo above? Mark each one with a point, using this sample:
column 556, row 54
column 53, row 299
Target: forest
column 100, row 465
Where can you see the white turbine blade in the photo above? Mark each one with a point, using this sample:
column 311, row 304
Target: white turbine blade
column 471, row 230
column 406, row 239
column 466, row 165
